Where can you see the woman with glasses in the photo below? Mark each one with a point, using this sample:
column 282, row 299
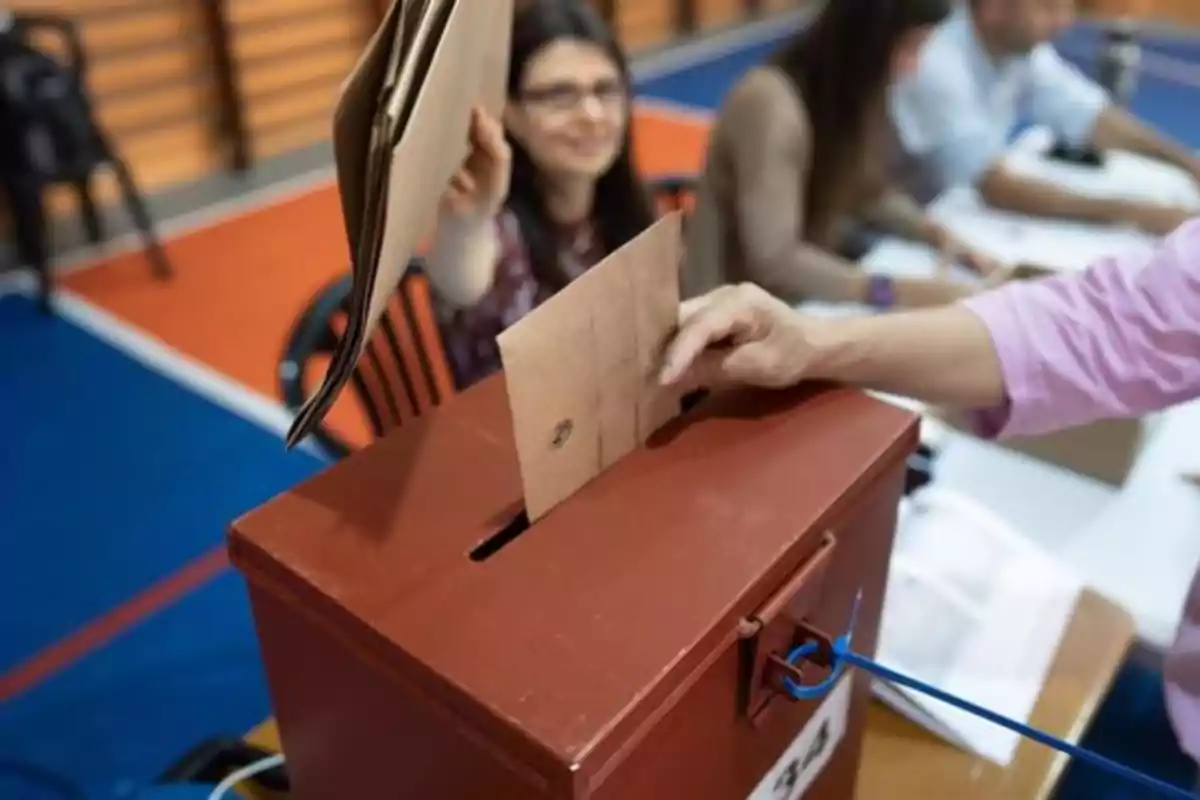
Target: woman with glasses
column 794, row 163
column 544, row 196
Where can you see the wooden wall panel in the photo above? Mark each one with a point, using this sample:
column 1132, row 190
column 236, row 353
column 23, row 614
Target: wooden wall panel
column 291, row 57
column 720, row 13
column 641, row 24
column 1178, row 12
column 153, row 75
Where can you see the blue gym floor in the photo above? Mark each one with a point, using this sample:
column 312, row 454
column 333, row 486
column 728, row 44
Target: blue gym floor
column 114, row 478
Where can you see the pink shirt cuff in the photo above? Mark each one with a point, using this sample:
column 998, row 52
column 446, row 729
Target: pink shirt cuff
column 1019, row 413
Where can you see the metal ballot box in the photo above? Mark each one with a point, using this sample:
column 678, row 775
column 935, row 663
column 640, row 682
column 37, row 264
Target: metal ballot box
column 422, row 641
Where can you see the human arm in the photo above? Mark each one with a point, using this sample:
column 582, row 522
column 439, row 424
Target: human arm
column 1079, row 112
column 1117, row 129
column 770, row 143
column 1120, row 339
column 462, row 260
column 944, row 119
column 895, row 212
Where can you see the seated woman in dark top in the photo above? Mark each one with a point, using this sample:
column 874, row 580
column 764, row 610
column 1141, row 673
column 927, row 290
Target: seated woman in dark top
column 796, row 158
column 529, row 213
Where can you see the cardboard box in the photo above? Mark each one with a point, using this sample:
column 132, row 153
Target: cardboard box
column 1106, row 450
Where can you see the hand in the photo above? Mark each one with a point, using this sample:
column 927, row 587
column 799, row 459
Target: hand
column 954, row 251
column 980, row 263
column 1001, row 275
column 737, row 335
column 480, row 186
column 1158, row 220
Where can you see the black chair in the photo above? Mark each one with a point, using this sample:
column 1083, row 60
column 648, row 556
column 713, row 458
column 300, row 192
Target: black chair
column 403, row 371
column 49, row 135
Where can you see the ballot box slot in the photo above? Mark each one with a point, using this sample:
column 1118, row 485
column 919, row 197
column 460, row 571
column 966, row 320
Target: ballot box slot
column 774, row 629
column 508, row 534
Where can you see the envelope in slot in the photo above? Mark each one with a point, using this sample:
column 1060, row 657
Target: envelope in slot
column 581, row 369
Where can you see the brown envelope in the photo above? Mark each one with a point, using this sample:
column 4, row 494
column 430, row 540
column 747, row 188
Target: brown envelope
column 581, row 369
column 353, row 119
column 400, row 133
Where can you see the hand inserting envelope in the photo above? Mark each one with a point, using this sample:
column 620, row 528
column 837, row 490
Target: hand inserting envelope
column 580, row 370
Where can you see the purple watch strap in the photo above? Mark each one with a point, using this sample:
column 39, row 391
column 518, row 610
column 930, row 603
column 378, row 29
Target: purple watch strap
column 881, row 292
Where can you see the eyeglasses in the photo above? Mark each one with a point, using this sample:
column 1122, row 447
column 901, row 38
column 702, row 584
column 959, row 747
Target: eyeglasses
column 565, row 96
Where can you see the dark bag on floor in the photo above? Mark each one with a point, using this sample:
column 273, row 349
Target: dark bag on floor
column 47, row 132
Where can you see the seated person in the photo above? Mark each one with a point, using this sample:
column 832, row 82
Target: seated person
column 796, row 156
column 528, row 214
column 989, row 63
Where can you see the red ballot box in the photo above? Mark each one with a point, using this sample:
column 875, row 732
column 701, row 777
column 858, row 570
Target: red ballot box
column 422, row 641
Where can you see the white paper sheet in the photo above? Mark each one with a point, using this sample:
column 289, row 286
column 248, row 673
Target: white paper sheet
column 976, row 610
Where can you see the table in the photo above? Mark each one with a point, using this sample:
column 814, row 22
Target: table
column 901, row 760
column 1063, row 244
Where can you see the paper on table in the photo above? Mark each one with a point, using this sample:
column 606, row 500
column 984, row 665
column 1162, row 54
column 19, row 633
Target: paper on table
column 973, row 608
column 1058, row 244
column 411, row 118
column 581, row 369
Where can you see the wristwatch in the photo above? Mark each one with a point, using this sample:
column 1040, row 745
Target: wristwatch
column 881, row 292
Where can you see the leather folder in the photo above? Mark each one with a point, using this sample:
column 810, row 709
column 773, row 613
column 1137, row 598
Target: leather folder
column 400, row 132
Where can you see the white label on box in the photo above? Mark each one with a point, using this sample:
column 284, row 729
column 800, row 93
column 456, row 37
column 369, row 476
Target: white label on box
column 805, row 757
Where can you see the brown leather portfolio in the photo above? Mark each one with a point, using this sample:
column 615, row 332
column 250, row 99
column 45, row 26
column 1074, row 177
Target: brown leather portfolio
column 423, row 641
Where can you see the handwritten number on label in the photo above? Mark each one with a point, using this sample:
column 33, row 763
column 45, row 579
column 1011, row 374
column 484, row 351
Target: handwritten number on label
column 786, row 787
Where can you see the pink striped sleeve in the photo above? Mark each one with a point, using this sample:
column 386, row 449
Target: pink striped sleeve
column 1119, row 339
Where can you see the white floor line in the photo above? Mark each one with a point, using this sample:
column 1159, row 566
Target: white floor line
column 167, row 361
column 711, row 48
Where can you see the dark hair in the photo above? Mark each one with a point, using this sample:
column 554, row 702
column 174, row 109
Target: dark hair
column 622, row 208
column 840, row 65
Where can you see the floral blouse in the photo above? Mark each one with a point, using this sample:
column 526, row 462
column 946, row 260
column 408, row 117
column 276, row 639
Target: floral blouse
column 469, row 334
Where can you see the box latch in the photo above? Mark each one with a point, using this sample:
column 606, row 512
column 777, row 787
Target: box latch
column 776, row 629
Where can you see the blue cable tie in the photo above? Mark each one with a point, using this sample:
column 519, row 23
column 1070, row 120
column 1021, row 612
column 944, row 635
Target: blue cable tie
column 843, row 656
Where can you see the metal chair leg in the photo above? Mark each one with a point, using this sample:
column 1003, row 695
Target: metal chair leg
column 88, row 210
column 141, row 216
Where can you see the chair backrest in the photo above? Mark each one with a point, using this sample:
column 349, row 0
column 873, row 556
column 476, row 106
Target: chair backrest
column 52, row 34
column 51, row 131
column 403, row 371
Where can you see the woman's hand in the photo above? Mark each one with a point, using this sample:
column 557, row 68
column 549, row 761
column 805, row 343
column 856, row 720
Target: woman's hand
column 479, row 188
column 737, row 335
column 981, row 264
column 952, row 250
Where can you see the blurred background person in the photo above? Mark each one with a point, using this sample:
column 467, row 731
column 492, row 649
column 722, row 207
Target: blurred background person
column 533, row 210
column 992, row 65
column 795, row 160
